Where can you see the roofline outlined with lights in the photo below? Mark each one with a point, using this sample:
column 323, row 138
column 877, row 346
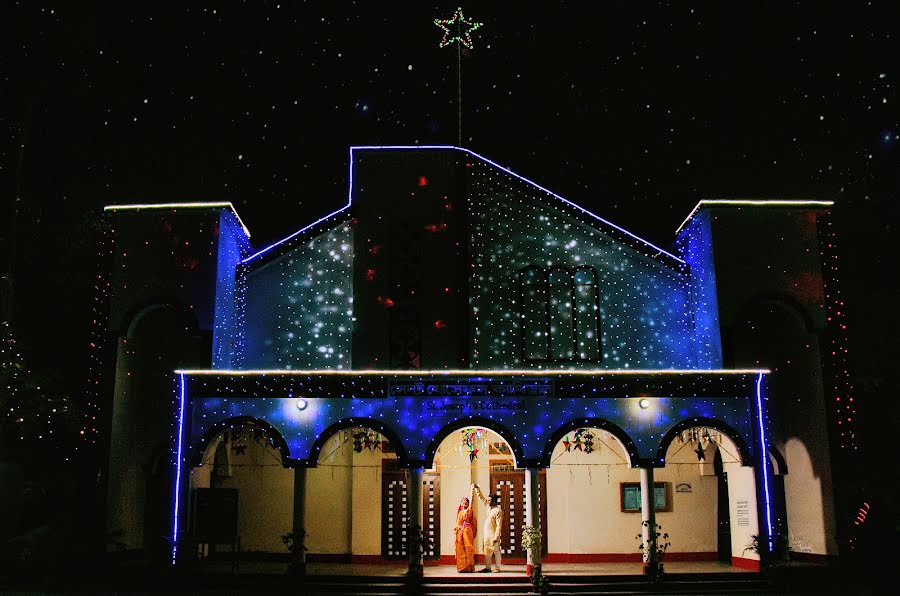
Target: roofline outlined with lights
column 751, row 203
column 346, row 207
column 186, row 205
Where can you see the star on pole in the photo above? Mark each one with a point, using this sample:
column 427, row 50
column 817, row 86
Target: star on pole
column 457, row 29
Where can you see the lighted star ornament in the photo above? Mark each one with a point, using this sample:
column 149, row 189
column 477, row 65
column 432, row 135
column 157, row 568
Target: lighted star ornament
column 458, row 29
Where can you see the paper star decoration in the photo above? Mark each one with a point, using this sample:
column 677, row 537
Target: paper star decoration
column 701, row 454
column 458, row 29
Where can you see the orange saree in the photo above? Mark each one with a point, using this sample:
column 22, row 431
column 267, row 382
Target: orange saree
column 465, row 539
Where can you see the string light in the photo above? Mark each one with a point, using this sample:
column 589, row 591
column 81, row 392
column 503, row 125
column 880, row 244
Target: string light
column 644, row 304
column 842, row 393
column 457, row 29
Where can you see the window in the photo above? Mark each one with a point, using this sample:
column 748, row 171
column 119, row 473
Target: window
column 534, row 313
column 587, row 313
column 560, row 314
column 561, row 331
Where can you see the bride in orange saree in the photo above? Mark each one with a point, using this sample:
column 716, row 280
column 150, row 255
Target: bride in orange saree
column 465, row 534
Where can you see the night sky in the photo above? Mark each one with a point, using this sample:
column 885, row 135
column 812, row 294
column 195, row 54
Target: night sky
column 635, row 110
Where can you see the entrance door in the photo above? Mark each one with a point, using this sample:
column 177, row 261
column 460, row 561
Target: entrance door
column 511, row 488
column 431, row 514
column 395, row 512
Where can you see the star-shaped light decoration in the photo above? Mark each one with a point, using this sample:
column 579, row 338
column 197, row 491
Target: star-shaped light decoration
column 458, row 29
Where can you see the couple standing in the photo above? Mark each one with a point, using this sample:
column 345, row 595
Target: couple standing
column 465, row 532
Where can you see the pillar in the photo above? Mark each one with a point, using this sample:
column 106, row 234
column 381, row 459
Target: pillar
column 414, row 511
column 648, row 516
column 298, row 561
column 533, row 517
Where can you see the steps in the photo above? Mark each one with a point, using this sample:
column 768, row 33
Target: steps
column 725, row 583
column 682, row 583
column 396, row 586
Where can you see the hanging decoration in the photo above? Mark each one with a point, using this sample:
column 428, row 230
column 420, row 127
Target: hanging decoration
column 703, row 437
column 469, row 437
column 582, row 440
column 701, row 454
column 365, row 438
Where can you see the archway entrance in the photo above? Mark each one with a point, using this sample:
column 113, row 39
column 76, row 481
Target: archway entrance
column 474, row 454
column 242, row 490
column 587, row 521
column 357, row 499
column 710, row 511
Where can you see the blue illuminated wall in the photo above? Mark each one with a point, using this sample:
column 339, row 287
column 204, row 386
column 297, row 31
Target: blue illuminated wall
column 695, row 243
column 298, row 308
column 233, row 246
column 645, row 305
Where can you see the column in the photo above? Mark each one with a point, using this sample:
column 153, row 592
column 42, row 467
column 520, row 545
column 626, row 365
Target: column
column 648, row 515
column 533, row 517
column 414, row 527
column 298, row 560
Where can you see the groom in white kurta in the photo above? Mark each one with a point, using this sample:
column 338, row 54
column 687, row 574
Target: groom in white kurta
column 493, row 524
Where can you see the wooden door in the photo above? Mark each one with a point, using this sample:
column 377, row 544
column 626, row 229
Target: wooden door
column 431, row 514
column 511, row 488
column 395, row 512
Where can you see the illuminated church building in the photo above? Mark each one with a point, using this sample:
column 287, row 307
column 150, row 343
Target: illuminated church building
column 455, row 322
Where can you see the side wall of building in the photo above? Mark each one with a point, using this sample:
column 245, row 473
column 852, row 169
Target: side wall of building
column 298, row 308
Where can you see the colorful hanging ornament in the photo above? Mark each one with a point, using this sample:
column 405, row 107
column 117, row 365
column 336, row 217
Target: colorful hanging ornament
column 469, row 436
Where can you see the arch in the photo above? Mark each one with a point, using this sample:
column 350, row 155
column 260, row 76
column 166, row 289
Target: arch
column 135, row 315
column 269, row 431
column 312, row 459
column 743, row 448
column 604, row 425
column 780, row 467
column 455, row 425
column 785, row 301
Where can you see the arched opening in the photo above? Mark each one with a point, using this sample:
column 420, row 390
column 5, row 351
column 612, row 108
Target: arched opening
column 242, row 488
column 157, row 339
column 775, row 332
column 356, row 499
column 467, row 453
column 710, row 510
column 589, row 463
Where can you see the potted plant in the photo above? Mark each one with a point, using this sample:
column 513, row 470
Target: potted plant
column 531, row 539
column 295, row 541
column 541, row 582
column 653, row 559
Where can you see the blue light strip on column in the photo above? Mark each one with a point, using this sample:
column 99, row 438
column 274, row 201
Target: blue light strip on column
column 178, row 468
column 473, row 154
column 765, row 456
